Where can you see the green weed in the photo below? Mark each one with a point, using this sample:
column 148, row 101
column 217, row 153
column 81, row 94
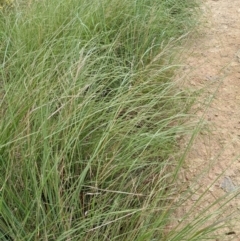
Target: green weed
column 89, row 118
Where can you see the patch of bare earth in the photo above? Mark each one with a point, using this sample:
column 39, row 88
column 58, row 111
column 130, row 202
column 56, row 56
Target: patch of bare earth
column 212, row 167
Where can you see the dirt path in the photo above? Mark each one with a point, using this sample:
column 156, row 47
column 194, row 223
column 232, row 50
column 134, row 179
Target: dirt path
column 214, row 64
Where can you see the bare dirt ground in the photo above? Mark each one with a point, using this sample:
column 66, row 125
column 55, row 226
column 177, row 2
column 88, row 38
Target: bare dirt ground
column 214, row 65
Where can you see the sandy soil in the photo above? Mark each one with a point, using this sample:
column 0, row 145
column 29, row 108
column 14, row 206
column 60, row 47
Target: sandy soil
column 214, row 64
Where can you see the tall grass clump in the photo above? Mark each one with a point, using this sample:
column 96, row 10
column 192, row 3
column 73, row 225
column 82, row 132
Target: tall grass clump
column 89, row 118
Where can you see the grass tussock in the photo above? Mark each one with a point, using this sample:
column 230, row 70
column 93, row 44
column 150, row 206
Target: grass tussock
column 89, row 118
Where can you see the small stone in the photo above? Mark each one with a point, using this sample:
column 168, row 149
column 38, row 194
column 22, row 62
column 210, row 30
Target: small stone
column 227, row 185
column 195, row 197
column 211, row 189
